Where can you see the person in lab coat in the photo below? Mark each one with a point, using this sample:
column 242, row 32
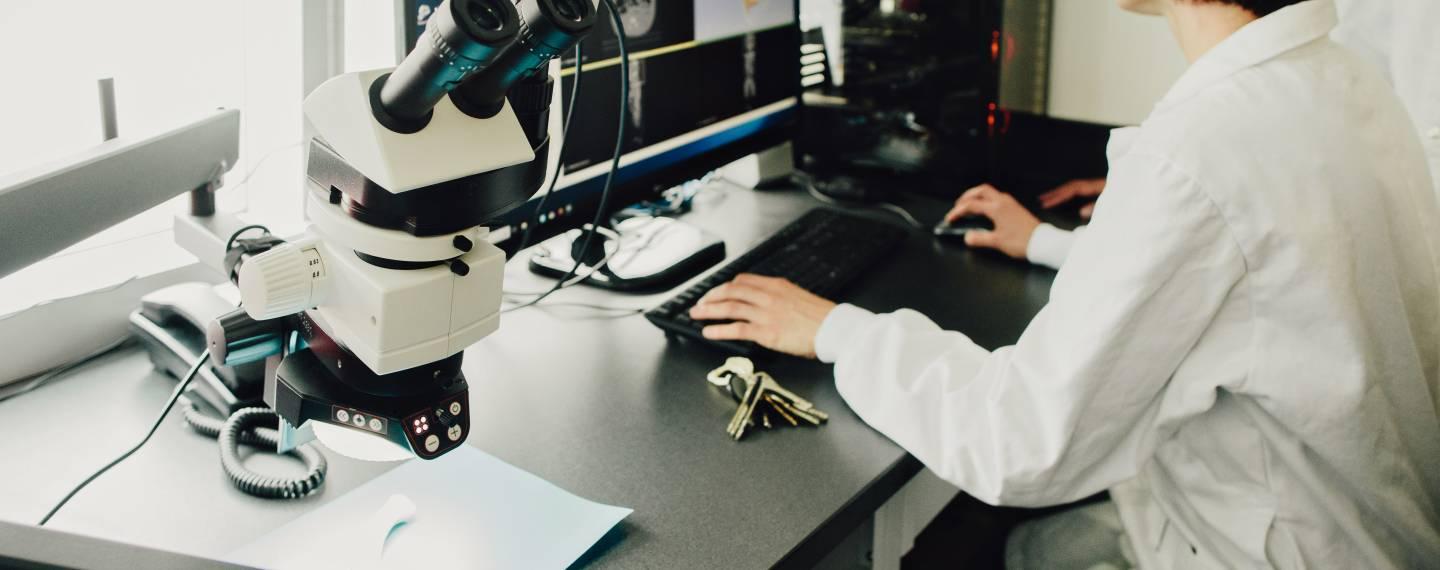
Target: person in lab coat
column 1242, row 346
column 1402, row 37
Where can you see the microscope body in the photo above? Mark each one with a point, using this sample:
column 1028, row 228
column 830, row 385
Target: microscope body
column 394, row 298
column 381, row 315
column 364, row 318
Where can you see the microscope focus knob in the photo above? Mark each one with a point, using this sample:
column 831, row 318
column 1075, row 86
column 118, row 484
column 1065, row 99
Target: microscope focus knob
column 283, row 281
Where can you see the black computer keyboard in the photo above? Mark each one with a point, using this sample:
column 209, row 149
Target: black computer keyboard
column 821, row 252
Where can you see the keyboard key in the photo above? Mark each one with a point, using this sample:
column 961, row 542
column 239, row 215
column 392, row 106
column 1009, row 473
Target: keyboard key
column 822, row 252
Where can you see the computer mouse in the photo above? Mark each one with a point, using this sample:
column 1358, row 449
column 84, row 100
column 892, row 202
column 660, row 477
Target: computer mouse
column 598, row 246
column 962, row 226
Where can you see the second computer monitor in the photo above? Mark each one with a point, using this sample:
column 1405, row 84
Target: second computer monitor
column 710, row 81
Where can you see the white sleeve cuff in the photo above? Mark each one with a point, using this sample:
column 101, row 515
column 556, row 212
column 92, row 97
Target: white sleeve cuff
column 1049, row 246
column 840, row 327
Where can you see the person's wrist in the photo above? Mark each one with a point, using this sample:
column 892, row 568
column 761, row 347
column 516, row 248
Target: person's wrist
column 1021, row 244
column 822, row 312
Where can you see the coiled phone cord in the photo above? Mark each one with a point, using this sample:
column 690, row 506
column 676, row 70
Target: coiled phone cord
column 246, row 427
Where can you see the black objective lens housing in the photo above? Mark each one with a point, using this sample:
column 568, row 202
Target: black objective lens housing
column 547, row 29
column 463, row 37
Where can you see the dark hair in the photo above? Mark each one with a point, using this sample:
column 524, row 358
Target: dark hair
column 1260, row 8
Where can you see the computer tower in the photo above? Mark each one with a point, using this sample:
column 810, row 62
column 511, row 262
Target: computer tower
column 929, row 87
column 919, row 100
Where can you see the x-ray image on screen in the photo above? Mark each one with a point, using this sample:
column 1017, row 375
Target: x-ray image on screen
column 680, row 81
column 637, row 99
column 749, row 87
column 649, row 24
column 716, row 19
column 638, row 16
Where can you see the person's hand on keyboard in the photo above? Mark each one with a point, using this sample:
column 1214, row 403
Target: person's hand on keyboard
column 768, row 311
column 1013, row 223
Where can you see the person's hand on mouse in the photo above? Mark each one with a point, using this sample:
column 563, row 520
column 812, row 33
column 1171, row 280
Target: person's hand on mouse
column 769, row 311
column 1086, row 189
column 1013, row 223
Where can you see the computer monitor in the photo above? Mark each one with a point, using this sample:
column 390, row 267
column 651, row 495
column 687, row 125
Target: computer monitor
column 710, row 82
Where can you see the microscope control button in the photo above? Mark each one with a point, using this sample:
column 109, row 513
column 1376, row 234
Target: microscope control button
column 342, row 415
column 453, row 433
column 432, row 443
column 375, row 425
column 358, row 420
column 455, row 408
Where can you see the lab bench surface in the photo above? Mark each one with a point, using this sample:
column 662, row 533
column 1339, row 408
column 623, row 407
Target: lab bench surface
column 603, row 406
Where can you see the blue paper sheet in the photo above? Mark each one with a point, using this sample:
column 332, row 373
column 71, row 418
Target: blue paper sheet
column 471, row 511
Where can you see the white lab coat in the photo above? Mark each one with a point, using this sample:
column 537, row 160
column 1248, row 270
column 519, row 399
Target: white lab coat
column 1241, row 346
column 1401, row 37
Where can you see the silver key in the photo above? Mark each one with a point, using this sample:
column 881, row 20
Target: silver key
column 735, row 365
column 780, row 409
column 761, row 399
column 790, row 398
column 746, row 410
column 733, row 368
column 795, row 405
column 794, row 412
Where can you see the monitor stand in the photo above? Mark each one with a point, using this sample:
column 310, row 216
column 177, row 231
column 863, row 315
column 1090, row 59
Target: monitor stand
column 645, row 253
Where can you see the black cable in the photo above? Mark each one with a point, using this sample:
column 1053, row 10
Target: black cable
column 169, row 404
column 247, row 427
column 560, row 155
column 624, row 119
column 210, row 426
column 243, row 426
column 230, row 243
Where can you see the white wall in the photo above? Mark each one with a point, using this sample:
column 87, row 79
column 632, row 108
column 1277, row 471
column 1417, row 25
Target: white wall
column 370, row 35
column 1107, row 65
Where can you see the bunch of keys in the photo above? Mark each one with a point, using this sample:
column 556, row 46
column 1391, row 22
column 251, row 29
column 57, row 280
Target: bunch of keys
column 760, row 397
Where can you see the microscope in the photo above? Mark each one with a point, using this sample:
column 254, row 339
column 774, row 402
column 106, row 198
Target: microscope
column 361, row 322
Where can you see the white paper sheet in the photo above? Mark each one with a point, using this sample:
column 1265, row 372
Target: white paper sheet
column 471, row 511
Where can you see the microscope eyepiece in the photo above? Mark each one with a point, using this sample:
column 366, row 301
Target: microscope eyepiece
column 548, row 28
column 483, row 17
column 463, row 37
column 571, row 11
column 577, row 15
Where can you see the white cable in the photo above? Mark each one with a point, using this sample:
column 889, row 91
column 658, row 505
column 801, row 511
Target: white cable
column 902, row 212
column 579, row 277
column 892, row 208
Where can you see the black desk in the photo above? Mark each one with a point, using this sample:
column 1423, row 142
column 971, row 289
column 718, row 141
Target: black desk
column 606, row 408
